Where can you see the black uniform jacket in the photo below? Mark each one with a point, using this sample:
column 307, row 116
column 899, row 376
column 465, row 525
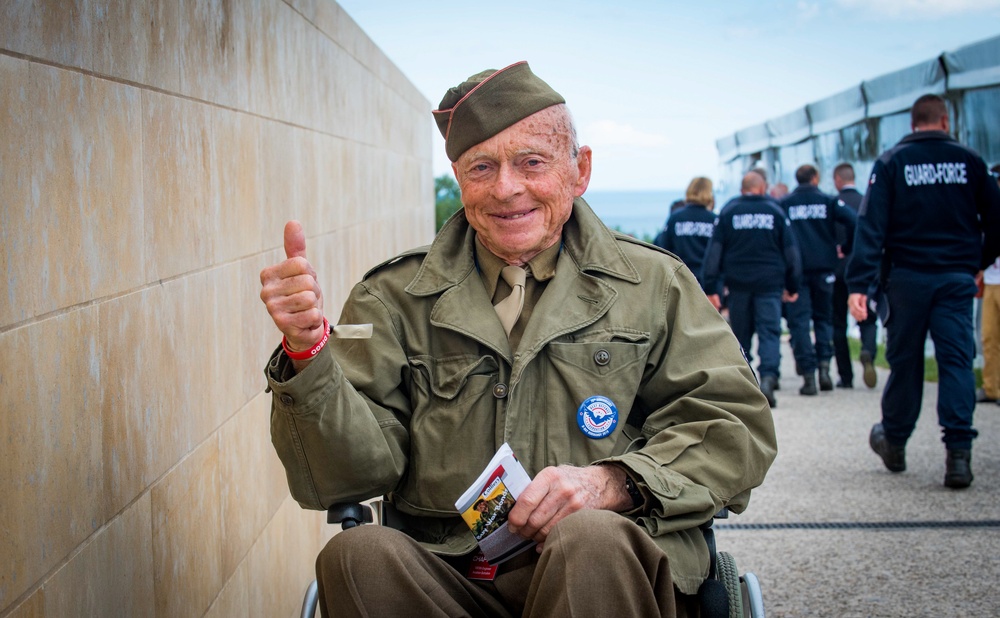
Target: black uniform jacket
column 814, row 216
column 753, row 247
column 686, row 235
column 932, row 206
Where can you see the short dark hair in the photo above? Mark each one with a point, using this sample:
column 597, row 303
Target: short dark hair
column 928, row 109
column 805, row 174
column 844, row 171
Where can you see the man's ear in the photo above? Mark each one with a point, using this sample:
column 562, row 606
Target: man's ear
column 584, row 161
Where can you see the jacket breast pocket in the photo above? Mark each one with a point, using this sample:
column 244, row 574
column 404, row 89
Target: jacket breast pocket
column 579, row 372
column 453, row 411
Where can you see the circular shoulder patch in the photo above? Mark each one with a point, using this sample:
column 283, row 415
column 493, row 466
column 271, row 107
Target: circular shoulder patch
column 597, row 417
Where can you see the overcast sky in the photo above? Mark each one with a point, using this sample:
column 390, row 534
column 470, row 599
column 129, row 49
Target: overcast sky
column 653, row 84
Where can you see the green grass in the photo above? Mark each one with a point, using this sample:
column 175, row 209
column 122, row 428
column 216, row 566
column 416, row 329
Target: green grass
column 930, row 364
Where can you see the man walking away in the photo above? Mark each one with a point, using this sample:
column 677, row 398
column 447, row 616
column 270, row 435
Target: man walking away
column 934, row 212
column 843, row 180
column 813, row 215
column 754, row 250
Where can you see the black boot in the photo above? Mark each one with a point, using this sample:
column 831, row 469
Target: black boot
column 869, row 375
column 808, row 385
column 958, row 468
column 767, row 385
column 893, row 456
column 825, row 383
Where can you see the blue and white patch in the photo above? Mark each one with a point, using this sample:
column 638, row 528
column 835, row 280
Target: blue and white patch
column 597, row 417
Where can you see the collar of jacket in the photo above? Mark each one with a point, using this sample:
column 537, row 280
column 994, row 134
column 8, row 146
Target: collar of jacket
column 450, row 259
column 808, row 189
column 918, row 136
column 574, row 299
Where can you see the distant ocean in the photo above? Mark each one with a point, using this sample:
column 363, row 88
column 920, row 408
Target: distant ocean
column 639, row 213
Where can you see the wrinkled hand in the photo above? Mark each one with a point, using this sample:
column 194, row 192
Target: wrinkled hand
column 292, row 295
column 858, row 306
column 560, row 491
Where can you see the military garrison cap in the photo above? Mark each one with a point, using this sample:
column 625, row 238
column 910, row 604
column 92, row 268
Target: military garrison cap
column 489, row 102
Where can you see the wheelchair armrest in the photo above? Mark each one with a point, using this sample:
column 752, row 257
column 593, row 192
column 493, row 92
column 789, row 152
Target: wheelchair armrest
column 349, row 514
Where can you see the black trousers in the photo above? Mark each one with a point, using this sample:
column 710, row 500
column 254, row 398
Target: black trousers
column 939, row 304
column 868, row 329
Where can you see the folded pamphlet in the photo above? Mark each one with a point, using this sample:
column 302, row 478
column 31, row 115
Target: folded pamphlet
column 485, row 504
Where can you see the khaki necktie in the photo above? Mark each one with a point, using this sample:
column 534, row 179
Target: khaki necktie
column 509, row 309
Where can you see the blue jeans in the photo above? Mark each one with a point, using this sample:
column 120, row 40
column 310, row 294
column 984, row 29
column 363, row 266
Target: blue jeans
column 760, row 312
column 815, row 305
column 941, row 304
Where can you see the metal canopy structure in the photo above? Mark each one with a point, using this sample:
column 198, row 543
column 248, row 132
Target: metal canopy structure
column 857, row 123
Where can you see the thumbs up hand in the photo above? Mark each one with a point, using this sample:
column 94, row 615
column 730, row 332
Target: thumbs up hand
column 291, row 293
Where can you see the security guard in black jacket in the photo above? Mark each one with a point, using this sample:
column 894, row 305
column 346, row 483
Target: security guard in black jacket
column 843, row 180
column 929, row 222
column 689, row 228
column 814, row 216
column 754, row 249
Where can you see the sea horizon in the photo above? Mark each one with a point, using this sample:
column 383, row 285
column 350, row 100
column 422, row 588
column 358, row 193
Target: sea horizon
column 640, row 213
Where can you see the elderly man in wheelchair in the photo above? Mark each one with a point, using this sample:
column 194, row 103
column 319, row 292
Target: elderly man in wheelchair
column 596, row 357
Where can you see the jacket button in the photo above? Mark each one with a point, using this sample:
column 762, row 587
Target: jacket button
column 500, row 390
column 602, row 357
column 286, row 399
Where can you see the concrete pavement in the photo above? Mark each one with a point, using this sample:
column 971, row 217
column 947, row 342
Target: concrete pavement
column 831, row 532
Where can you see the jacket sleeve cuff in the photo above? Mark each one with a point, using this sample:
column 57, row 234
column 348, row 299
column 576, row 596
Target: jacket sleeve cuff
column 298, row 392
column 672, row 500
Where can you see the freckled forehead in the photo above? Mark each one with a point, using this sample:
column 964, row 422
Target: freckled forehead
column 546, row 130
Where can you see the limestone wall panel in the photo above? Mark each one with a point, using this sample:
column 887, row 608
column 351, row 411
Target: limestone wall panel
column 51, row 480
column 152, row 152
column 178, row 221
column 112, row 575
column 65, row 239
column 234, row 599
column 252, row 480
column 187, row 535
column 57, row 31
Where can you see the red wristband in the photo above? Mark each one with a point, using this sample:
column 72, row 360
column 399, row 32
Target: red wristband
column 311, row 352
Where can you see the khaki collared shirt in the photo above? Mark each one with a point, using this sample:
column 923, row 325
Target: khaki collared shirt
column 540, row 269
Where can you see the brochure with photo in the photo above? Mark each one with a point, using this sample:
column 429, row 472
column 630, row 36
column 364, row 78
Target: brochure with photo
column 486, row 503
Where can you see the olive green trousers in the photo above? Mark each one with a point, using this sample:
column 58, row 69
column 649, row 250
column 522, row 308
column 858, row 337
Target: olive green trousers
column 594, row 563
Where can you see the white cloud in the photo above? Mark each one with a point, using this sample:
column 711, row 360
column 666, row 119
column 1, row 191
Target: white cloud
column 920, row 9
column 806, row 11
column 610, row 133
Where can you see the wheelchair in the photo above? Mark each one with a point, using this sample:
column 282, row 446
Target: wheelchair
column 725, row 594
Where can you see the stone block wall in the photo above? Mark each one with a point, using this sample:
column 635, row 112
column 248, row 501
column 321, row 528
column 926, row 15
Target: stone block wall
column 150, row 153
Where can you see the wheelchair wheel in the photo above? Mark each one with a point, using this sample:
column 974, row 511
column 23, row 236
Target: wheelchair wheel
column 730, row 578
column 753, row 606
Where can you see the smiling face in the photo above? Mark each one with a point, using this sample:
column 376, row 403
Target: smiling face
column 518, row 186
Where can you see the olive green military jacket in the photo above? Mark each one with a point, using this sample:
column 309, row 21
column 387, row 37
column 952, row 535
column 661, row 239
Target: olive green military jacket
column 417, row 411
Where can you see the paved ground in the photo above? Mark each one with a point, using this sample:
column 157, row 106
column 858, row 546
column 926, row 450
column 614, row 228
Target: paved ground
column 925, row 559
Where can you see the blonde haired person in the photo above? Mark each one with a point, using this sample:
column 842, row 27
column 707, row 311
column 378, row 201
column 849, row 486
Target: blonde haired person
column 700, row 191
column 689, row 229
